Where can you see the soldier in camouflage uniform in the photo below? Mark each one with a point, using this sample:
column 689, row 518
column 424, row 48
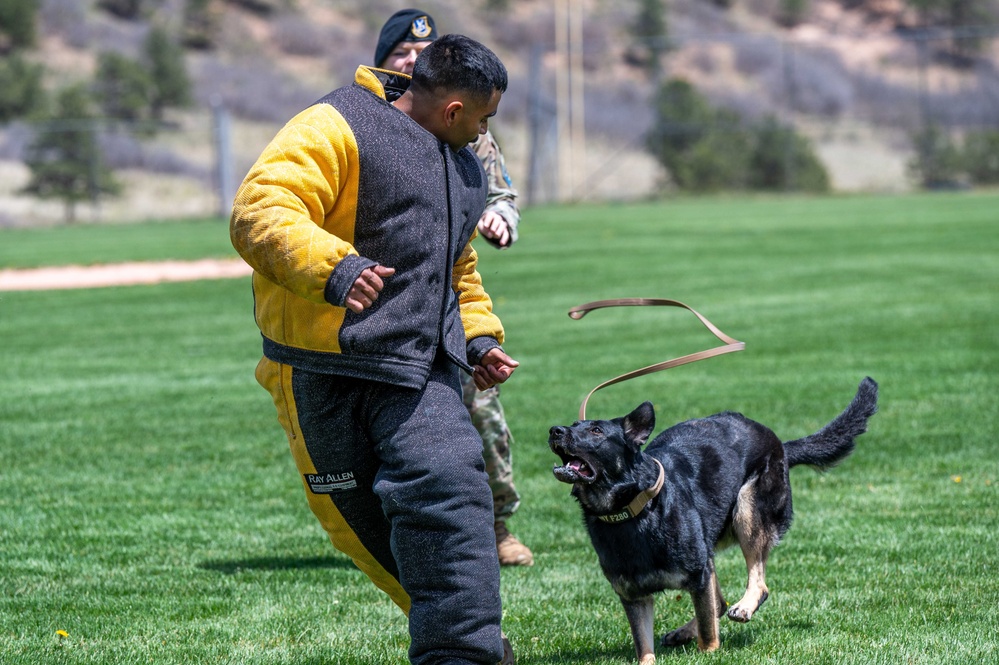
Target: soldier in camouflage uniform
column 498, row 225
column 397, row 50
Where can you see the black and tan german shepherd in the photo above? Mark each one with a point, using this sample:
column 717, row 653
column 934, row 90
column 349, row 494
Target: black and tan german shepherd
column 721, row 480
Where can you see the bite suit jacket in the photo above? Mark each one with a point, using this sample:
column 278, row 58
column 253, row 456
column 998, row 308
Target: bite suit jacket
column 349, row 183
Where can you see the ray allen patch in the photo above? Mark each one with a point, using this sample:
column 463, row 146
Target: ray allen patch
column 330, row 483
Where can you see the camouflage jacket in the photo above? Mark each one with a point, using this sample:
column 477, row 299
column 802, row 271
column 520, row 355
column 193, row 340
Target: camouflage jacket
column 502, row 197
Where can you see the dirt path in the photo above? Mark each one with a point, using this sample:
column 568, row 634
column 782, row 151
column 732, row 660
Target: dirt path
column 120, row 274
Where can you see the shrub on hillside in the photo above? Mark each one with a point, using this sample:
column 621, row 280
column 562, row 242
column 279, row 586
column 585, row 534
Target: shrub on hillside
column 124, row 9
column 708, row 149
column 123, row 87
column 170, row 85
column 21, row 91
column 936, row 163
column 17, row 24
column 941, row 161
column 782, row 159
column 981, row 157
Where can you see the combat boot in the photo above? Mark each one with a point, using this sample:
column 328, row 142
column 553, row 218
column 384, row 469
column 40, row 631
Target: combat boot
column 508, row 658
column 511, row 551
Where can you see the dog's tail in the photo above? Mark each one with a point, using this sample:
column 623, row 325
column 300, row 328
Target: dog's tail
column 831, row 444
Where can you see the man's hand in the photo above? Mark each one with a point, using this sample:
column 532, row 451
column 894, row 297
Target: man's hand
column 366, row 288
column 495, row 367
column 494, row 227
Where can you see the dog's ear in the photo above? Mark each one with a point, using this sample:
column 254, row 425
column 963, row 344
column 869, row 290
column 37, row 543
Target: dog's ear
column 638, row 424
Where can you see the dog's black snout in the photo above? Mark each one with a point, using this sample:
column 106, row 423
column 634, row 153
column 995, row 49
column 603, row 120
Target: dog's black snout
column 557, row 433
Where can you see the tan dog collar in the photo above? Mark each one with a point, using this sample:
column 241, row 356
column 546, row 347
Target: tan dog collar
column 639, row 502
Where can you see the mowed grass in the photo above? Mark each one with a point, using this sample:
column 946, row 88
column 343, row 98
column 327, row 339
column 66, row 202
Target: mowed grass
column 150, row 510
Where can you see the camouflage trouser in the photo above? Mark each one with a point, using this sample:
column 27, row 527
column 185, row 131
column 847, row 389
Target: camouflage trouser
column 487, row 415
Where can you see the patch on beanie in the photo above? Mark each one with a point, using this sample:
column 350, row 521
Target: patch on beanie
column 421, row 27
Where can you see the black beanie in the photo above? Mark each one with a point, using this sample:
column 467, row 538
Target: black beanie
column 406, row 25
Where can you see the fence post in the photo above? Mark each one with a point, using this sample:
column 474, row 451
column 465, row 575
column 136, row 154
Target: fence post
column 223, row 157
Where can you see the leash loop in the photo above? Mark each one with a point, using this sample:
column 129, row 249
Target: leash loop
column 731, row 345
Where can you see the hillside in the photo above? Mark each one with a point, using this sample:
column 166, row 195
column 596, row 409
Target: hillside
column 847, row 78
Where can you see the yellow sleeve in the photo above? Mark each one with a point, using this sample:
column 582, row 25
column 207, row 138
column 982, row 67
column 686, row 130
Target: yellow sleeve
column 476, row 306
column 293, row 216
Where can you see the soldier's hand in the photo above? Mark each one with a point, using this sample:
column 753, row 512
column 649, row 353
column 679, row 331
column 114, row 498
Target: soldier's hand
column 494, row 227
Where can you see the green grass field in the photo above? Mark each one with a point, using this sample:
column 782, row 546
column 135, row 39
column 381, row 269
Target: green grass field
column 150, row 511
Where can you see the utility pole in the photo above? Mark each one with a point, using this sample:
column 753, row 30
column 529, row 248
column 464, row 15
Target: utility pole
column 577, row 143
column 569, row 96
column 223, row 157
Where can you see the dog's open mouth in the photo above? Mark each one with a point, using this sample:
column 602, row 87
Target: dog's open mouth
column 573, row 469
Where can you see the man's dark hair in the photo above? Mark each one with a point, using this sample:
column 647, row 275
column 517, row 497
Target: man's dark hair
column 457, row 63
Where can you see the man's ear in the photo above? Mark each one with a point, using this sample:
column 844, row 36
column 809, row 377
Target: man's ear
column 452, row 112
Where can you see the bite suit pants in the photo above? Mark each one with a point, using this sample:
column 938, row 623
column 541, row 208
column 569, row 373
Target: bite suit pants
column 396, row 478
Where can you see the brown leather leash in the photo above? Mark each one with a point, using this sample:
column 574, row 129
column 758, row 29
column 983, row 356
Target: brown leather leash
column 730, row 345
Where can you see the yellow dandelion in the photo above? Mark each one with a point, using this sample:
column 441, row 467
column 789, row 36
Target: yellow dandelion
column 956, row 479
column 62, row 633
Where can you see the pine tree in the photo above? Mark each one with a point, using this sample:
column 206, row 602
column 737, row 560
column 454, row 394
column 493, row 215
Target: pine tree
column 126, row 9
column 123, row 87
column 170, row 84
column 202, row 19
column 650, row 29
column 21, row 91
column 65, row 159
column 17, row 24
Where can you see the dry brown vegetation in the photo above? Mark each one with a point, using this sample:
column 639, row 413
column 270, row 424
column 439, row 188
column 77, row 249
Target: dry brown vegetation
column 845, row 76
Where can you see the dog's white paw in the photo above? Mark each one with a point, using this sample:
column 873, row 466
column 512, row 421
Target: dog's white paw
column 648, row 659
column 740, row 614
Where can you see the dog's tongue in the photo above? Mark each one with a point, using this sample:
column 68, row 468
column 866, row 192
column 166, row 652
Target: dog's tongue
column 579, row 466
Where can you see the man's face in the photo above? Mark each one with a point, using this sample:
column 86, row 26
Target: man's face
column 403, row 56
column 472, row 120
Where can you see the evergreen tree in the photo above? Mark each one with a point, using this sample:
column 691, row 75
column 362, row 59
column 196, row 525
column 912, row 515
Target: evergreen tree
column 981, row 156
column 937, row 162
column 964, row 15
column 123, row 87
column 170, row 84
column 21, row 91
column 709, row 149
column 201, row 23
column 782, row 159
column 126, row 9
column 650, row 30
column 65, row 159
column 791, row 12
column 17, row 24
column 702, row 149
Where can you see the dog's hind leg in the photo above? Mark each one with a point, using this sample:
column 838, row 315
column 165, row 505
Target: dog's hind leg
column 755, row 540
column 641, row 618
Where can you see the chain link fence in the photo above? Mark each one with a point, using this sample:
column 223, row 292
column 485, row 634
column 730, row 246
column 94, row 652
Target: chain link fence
column 872, row 105
column 868, row 103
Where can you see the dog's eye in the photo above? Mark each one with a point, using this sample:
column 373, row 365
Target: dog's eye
column 596, row 430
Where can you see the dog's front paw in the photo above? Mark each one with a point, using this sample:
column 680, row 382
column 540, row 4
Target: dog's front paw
column 648, row 659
